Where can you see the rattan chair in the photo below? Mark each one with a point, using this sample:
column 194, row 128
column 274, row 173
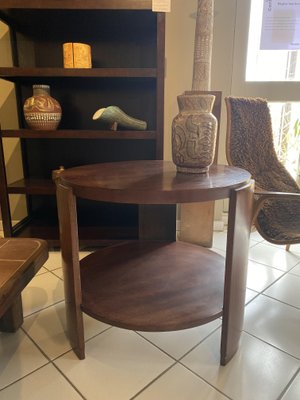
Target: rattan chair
column 249, row 145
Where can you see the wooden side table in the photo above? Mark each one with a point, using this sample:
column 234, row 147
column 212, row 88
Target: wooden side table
column 155, row 285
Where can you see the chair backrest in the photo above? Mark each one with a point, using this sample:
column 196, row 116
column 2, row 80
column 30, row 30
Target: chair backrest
column 249, row 144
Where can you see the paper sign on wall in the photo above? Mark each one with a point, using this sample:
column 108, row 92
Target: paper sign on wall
column 161, row 5
column 280, row 25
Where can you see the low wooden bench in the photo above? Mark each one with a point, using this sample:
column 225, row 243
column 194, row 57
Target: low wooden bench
column 20, row 260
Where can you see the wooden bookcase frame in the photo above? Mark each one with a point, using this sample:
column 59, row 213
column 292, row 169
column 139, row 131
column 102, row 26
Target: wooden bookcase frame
column 127, row 41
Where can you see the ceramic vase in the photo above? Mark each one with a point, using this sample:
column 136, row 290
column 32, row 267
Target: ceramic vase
column 41, row 111
column 194, row 132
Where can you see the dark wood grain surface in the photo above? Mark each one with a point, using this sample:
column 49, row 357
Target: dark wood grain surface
column 153, row 285
column 151, row 182
column 79, row 4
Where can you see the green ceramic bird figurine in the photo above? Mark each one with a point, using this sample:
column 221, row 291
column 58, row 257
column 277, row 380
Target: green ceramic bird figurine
column 115, row 117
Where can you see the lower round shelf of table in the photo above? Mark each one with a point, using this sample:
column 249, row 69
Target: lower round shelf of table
column 153, row 286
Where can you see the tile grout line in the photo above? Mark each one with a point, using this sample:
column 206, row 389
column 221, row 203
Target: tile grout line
column 272, row 345
column 68, row 380
column 153, row 380
column 280, row 301
column 177, row 362
column 50, row 361
column 288, row 385
column 44, row 308
column 204, row 380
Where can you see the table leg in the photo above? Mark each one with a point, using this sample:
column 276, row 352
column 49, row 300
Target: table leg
column 239, row 225
column 66, row 203
column 12, row 319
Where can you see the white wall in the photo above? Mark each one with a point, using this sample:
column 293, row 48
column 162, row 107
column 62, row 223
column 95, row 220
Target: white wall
column 180, row 30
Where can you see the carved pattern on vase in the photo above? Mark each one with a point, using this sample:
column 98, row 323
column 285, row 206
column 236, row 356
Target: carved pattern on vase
column 194, row 134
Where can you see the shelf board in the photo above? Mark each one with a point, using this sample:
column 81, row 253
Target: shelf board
column 32, row 186
column 73, row 4
column 92, row 236
column 78, row 134
column 15, row 74
column 153, row 286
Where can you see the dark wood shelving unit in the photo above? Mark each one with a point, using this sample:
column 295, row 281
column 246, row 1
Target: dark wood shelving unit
column 79, row 134
column 15, row 74
column 79, row 4
column 127, row 45
column 32, row 186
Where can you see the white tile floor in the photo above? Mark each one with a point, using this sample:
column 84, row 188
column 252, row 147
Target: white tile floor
column 36, row 362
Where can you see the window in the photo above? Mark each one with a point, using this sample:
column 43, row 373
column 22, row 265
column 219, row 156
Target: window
column 276, row 66
column 286, row 129
column 268, row 65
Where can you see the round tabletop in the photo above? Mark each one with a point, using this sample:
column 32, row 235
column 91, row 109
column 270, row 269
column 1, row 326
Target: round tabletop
column 151, row 182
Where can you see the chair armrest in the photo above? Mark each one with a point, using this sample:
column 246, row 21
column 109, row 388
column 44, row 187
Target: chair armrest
column 261, row 196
